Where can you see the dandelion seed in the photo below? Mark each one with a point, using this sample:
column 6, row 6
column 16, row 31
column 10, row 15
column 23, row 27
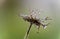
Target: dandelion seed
column 33, row 18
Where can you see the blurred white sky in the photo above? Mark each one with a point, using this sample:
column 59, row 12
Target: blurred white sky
column 46, row 6
column 42, row 4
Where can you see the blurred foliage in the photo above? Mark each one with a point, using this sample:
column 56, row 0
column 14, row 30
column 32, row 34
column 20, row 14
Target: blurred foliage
column 14, row 27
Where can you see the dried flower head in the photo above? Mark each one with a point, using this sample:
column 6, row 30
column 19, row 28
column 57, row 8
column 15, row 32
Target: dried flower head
column 33, row 18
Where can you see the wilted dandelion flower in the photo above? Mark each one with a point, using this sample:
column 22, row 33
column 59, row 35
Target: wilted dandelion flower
column 33, row 18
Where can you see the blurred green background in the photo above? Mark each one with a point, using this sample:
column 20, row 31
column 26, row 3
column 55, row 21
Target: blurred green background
column 14, row 27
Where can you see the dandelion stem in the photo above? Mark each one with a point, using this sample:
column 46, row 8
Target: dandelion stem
column 27, row 33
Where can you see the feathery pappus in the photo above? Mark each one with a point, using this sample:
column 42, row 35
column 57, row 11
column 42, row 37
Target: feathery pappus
column 33, row 18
